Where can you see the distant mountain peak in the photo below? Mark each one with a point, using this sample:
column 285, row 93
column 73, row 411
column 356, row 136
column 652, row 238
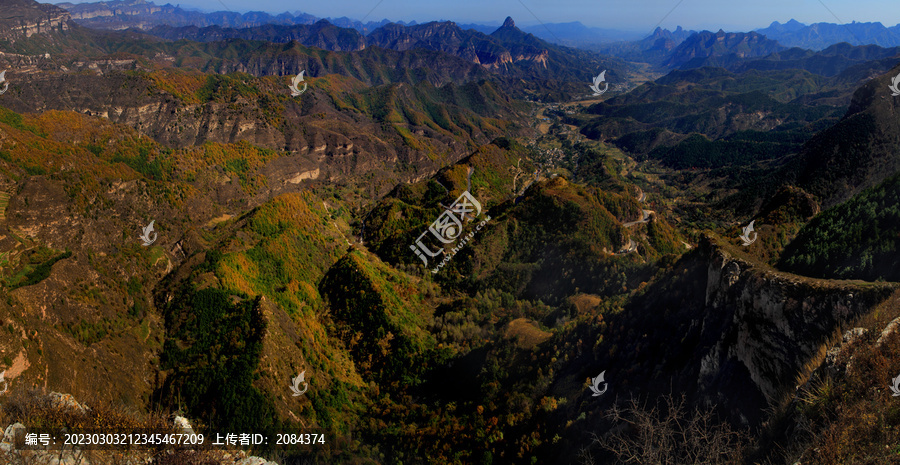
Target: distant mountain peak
column 791, row 25
column 509, row 22
column 819, row 36
column 695, row 49
column 659, row 31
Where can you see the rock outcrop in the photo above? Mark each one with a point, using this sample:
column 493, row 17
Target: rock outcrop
column 25, row 18
column 736, row 334
column 324, row 142
column 772, row 329
column 141, row 14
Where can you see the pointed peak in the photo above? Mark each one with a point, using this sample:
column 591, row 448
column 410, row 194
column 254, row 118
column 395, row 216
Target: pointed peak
column 509, row 22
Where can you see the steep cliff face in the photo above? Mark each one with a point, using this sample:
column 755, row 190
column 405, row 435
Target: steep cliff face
column 141, row 14
column 313, row 129
column 126, row 8
column 730, row 332
column 771, row 329
column 522, row 47
column 25, row 18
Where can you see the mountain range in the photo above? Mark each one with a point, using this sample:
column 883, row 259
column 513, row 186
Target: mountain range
column 506, row 50
column 142, row 14
column 522, row 58
column 664, row 49
column 818, row 36
column 693, row 267
column 724, row 46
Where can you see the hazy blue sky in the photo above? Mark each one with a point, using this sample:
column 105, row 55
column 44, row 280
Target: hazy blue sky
column 638, row 15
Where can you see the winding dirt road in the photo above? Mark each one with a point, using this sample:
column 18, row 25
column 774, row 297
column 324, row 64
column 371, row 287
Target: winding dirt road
column 645, row 218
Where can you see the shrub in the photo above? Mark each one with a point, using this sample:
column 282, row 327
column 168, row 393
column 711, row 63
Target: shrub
column 670, row 434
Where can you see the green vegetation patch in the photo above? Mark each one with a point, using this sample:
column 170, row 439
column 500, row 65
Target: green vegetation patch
column 228, row 87
column 16, row 120
column 213, row 346
column 292, row 248
column 699, row 152
column 858, row 239
column 158, row 168
column 384, row 314
column 87, row 332
column 36, row 268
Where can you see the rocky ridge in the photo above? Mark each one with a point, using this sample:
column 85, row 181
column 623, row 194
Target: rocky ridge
column 771, row 329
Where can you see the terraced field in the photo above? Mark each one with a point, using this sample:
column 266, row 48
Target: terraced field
column 4, row 202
